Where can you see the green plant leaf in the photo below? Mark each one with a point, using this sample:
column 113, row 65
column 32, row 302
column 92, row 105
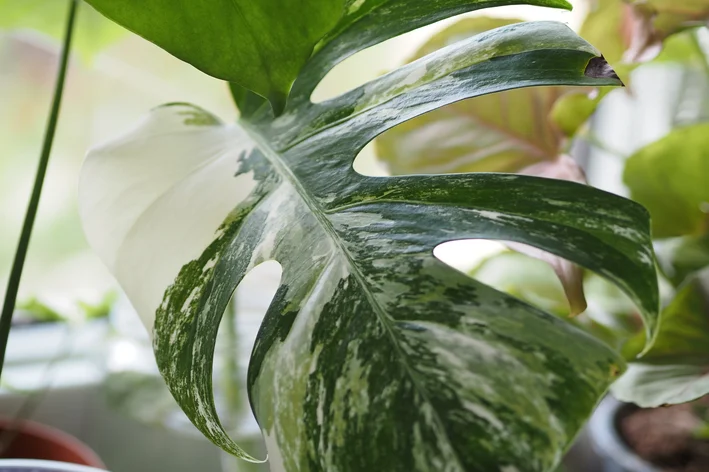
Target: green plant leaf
column 102, row 309
column 670, row 177
column 683, row 257
column 373, row 353
column 676, row 369
column 94, row 33
column 36, row 310
column 685, row 49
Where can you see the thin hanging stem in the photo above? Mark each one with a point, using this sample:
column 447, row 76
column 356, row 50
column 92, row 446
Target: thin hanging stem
column 16, row 272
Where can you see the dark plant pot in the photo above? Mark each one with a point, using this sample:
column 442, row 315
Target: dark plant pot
column 29, row 440
column 607, row 442
column 26, row 465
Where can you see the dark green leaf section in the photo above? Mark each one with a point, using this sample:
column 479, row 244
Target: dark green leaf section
column 242, row 41
column 676, row 369
column 447, row 398
column 670, row 177
column 446, row 76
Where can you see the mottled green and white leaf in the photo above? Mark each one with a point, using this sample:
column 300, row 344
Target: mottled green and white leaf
column 373, row 353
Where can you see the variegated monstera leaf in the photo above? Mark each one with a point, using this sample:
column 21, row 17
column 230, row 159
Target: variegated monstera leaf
column 373, row 355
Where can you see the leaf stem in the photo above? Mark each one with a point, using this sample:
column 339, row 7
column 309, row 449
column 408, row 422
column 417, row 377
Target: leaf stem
column 13, row 284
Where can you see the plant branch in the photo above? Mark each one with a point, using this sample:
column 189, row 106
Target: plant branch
column 21, row 253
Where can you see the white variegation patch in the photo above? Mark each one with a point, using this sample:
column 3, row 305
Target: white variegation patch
column 142, row 198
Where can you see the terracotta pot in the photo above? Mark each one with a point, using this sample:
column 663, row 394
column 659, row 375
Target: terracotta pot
column 30, row 440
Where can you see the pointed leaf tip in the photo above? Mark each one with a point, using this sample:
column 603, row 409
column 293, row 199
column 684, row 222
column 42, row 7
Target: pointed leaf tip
column 598, row 68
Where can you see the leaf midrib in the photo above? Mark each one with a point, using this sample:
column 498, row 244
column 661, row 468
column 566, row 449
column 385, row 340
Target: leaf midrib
column 320, row 215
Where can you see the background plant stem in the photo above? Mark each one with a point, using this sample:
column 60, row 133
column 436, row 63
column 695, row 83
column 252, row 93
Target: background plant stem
column 18, row 263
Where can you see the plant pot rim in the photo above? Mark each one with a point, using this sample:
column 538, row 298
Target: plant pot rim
column 606, row 439
column 32, row 464
column 55, row 436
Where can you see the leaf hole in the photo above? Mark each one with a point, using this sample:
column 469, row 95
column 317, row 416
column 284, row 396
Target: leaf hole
column 368, row 64
column 465, row 255
column 251, row 300
column 237, row 334
column 369, row 163
column 376, row 61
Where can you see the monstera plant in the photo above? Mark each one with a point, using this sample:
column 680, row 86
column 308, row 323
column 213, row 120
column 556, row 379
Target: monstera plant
column 374, row 354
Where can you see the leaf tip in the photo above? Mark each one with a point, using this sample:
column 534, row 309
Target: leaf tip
column 598, row 68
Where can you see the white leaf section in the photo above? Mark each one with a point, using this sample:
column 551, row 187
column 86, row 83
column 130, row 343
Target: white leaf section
column 156, row 196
